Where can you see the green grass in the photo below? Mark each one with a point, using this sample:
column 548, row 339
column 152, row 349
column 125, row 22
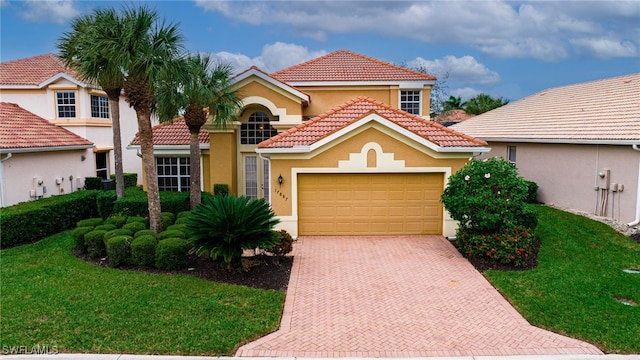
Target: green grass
column 573, row 290
column 50, row 298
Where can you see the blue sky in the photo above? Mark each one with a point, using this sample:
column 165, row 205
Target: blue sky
column 507, row 49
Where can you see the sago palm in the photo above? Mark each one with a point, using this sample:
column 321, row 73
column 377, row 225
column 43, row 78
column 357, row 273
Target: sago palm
column 203, row 84
column 223, row 226
column 86, row 50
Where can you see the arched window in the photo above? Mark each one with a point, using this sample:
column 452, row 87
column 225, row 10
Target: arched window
column 257, row 129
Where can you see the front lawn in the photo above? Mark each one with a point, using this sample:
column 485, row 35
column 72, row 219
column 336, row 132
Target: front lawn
column 52, row 299
column 573, row 290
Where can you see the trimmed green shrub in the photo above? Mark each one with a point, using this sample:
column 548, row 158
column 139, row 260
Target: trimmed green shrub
column 511, row 246
column 107, row 227
column 220, row 189
column 181, row 221
column 139, row 219
column 104, row 201
column 135, row 202
column 183, row 214
column 78, row 237
column 130, row 179
column 92, row 183
column 174, row 202
column 284, row 244
column 118, row 250
column 178, row 227
column 144, row 232
column 171, row 234
column 143, row 250
column 118, row 221
column 90, row 222
column 117, row 232
column 135, row 226
column 532, row 192
column 224, row 226
column 171, row 254
column 94, row 241
column 167, row 219
column 34, row 220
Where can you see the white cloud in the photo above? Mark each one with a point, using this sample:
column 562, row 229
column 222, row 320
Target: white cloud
column 57, row 11
column 546, row 30
column 465, row 93
column 274, row 57
column 464, row 69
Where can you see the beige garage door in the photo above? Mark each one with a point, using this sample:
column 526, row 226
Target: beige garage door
column 369, row 204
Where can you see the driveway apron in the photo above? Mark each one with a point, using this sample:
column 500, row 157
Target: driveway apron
column 397, row 296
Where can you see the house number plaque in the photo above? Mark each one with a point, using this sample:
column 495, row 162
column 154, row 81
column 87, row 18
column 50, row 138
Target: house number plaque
column 281, row 194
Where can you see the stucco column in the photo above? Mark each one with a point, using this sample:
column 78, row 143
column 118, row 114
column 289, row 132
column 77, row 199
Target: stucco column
column 223, row 158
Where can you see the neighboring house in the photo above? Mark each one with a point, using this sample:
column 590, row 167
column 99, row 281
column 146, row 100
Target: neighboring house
column 452, row 117
column 45, row 87
column 578, row 142
column 327, row 144
column 38, row 158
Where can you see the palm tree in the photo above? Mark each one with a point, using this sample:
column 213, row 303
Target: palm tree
column 453, row 103
column 84, row 50
column 202, row 85
column 148, row 53
column 482, row 103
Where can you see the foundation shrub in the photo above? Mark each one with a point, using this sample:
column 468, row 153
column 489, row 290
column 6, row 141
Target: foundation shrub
column 532, row 192
column 92, row 183
column 171, row 234
column 104, row 202
column 78, row 237
column 488, row 199
column 143, row 251
column 130, row 179
column 171, row 254
column 284, row 244
column 220, row 189
column 119, row 250
column 94, row 241
column 223, row 226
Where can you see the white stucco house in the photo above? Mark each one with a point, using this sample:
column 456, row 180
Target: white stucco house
column 579, row 142
column 43, row 86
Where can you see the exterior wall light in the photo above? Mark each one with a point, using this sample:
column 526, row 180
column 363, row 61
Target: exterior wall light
column 280, row 179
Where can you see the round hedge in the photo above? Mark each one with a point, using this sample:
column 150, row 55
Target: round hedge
column 143, row 250
column 106, row 227
column 118, row 221
column 118, row 250
column 78, row 237
column 90, row 222
column 171, row 234
column 117, row 232
column 134, row 226
column 144, row 232
column 94, row 241
column 171, row 254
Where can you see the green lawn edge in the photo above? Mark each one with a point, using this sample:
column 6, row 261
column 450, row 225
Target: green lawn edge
column 51, row 299
column 573, row 290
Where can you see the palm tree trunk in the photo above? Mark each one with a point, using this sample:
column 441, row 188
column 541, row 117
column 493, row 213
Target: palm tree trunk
column 114, row 105
column 149, row 164
column 195, row 195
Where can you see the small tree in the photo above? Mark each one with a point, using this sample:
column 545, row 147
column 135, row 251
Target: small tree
column 488, row 199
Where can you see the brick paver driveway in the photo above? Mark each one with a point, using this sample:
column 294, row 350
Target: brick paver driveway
column 397, row 296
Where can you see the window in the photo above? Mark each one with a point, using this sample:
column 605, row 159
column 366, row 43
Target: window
column 66, row 102
column 511, row 154
column 257, row 129
column 173, row 173
column 410, row 101
column 99, row 107
column 102, row 165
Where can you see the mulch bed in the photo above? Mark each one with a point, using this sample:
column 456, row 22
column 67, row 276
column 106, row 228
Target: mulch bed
column 263, row 272
column 485, row 263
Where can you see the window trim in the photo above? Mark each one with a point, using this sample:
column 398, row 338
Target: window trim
column 106, row 162
column 512, row 150
column 100, row 110
column 178, row 175
column 419, row 102
column 58, row 104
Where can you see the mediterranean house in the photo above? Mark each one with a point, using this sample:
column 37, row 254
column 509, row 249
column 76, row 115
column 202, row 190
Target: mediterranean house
column 29, row 145
column 340, row 144
column 578, row 142
column 43, row 86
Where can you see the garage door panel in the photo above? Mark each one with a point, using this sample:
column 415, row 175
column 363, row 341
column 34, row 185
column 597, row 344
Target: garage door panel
column 370, row 204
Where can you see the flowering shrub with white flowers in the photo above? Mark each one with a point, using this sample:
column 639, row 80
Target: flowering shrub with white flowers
column 488, row 198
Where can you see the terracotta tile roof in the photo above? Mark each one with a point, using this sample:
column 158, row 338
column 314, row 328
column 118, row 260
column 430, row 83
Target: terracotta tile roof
column 338, row 118
column 174, row 132
column 33, row 71
column 21, row 129
column 453, row 115
column 601, row 111
column 343, row 65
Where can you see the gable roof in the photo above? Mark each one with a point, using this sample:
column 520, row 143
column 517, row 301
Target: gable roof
column 173, row 133
column 600, row 112
column 36, row 71
column 23, row 131
column 255, row 71
column 314, row 131
column 343, row 65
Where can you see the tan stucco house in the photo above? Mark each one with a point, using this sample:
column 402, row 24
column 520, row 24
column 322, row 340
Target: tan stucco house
column 37, row 157
column 341, row 144
column 43, row 86
column 578, row 142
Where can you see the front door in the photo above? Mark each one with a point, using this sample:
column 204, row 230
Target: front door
column 256, row 177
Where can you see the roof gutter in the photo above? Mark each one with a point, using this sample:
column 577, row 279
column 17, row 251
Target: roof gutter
column 637, row 219
column 554, row 141
column 45, row 148
column 3, row 200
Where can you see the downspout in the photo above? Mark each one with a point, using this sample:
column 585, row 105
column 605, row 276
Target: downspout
column 637, row 219
column 2, row 189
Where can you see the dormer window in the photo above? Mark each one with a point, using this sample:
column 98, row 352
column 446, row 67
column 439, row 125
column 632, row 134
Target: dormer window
column 66, row 104
column 257, row 129
column 410, row 101
column 99, row 107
